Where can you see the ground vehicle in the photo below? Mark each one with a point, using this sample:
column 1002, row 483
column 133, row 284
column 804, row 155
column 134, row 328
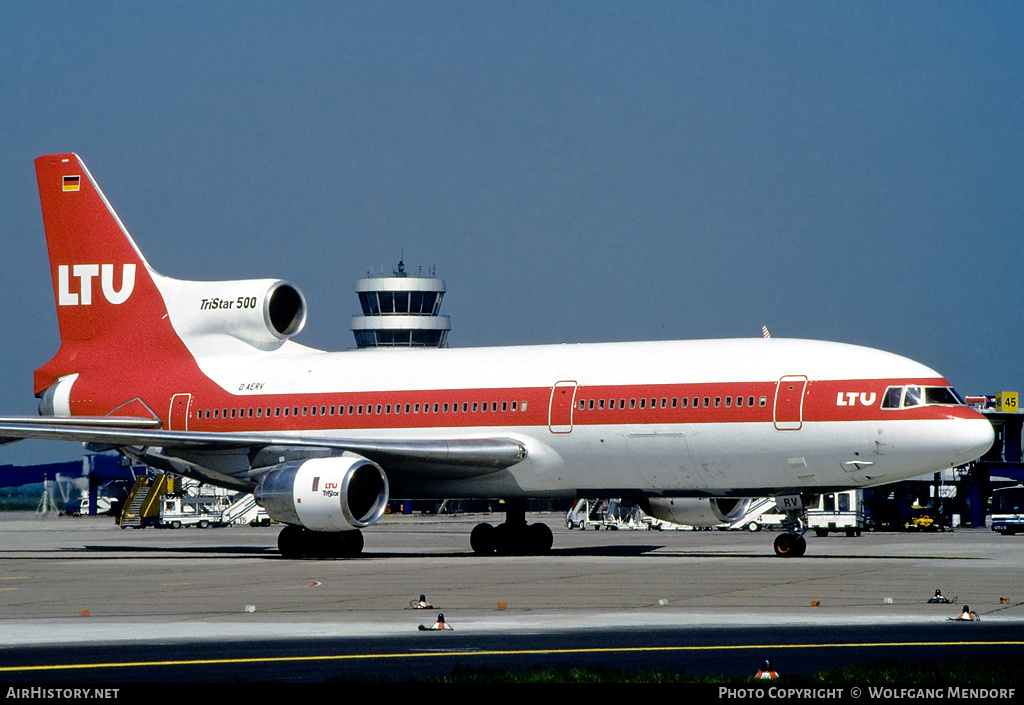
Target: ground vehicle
column 1008, row 510
column 80, row 507
column 837, row 511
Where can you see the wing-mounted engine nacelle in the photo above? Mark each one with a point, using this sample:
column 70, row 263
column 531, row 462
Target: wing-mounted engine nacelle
column 339, row 493
column 261, row 312
column 697, row 511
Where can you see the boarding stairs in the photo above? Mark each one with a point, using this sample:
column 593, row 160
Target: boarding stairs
column 144, row 500
column 242, row 511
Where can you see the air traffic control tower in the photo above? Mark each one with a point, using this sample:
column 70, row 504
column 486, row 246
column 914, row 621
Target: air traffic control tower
column 400, row 311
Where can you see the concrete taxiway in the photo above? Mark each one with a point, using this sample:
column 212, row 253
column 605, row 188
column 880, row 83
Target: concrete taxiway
column 83, row 581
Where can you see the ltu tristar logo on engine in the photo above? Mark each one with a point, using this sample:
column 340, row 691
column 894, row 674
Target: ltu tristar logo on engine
column 85, row 273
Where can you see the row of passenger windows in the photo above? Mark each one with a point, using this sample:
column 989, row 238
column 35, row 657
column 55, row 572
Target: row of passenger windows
column 359, row 410
column 672, row 402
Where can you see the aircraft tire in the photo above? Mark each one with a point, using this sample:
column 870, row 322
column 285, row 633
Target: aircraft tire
column 483, row 540
column 790, row 546
column 289, row 541
column 353, row 543
column 539, row 538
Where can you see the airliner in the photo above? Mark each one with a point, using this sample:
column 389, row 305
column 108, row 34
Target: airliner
column 204, row 379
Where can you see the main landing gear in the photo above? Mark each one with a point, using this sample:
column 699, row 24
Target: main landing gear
column 299, row 542
column 513, row 538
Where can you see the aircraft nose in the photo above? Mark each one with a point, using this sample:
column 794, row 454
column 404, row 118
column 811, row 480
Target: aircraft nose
column 971, row 438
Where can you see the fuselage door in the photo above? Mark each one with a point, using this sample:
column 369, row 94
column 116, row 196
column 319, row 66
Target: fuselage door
column 789, row 402
column 563, row 399
column 177, row 419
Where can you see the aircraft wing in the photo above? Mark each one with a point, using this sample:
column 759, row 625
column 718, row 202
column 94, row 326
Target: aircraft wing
column 428, row 458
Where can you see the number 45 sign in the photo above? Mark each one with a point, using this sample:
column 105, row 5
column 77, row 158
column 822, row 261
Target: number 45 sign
column 1007, row 401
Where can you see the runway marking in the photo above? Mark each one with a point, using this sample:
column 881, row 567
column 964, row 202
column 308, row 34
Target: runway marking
column 500, row 652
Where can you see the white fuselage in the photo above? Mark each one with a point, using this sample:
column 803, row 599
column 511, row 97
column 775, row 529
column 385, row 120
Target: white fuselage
column 704, row 417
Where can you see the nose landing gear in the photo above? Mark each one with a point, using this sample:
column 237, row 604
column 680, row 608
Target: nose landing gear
column 792, row 544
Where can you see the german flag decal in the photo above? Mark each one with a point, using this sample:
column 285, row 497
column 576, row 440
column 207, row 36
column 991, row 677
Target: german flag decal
column 71, row 183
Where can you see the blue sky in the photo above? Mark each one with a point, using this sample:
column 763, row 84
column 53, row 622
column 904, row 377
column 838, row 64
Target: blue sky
column 576, row 171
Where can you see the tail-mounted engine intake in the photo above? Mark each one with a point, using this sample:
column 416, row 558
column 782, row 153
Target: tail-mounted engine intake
column 56, row 400
column 340, row 493
column 695, row 511
column 261, row 312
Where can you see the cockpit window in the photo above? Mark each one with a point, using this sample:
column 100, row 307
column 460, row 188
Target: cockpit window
column 942, row 395
column 892, row 397
column 913, row 395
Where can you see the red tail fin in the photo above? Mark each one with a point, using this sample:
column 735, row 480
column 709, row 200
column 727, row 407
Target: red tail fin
column 109, row 309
